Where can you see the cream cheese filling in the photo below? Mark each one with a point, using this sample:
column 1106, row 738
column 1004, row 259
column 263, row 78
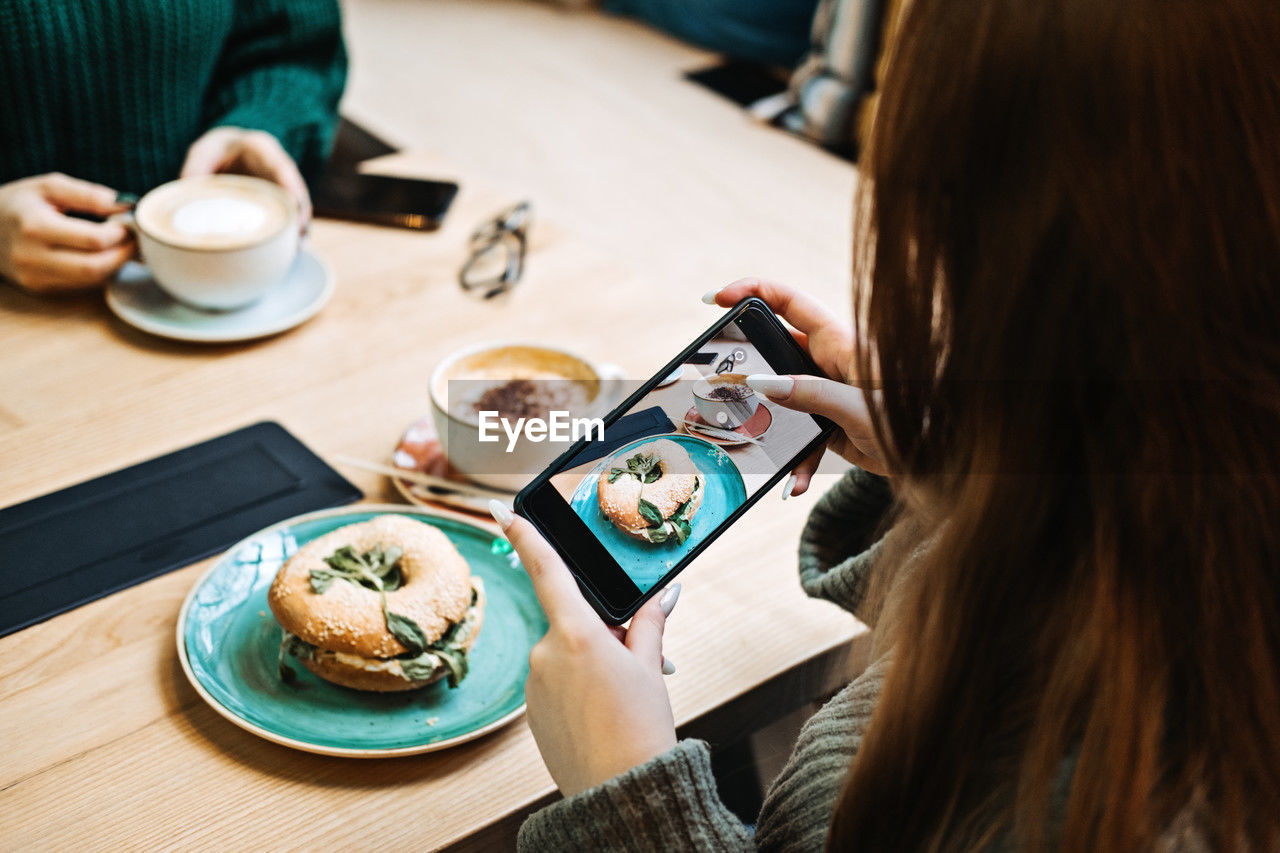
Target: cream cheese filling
column 394, row 666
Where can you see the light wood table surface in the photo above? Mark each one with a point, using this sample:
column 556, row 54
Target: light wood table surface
column 647, row 192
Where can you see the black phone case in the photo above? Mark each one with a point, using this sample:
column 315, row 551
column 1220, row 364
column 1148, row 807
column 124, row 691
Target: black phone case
column 585, row 584
column 347, row 195
column 71, row 547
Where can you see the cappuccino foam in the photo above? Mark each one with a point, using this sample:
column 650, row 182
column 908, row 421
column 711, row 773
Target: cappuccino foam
column 217, row 212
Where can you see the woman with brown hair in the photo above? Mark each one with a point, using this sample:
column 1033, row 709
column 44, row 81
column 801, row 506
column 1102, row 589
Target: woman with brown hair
column 1067, row 314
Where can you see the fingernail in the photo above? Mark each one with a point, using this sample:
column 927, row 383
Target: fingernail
column 500, row 513
column 709, row 298
column 669, row 599
column 668, row 668
column 772, row 386
column 791, row 484
column 128, row 199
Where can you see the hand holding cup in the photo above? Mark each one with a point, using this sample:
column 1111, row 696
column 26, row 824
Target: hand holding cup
column 46, row 250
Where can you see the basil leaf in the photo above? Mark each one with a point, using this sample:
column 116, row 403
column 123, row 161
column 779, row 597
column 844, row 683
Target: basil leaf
column 287, row 675
column 406, row 631
column 683, row 511
column 650, row 513
column 344, row 560
column 381, row 566
column 388, row 560
column 377, row 569
column 649, row 470
column 295, row 646
column 393, row 580
column 322, row 579
column 420, row 668
column 456, row 661
column 450, row 637
column 298, row 647
column 681, row 529
column 447, row 651
column 643, row 466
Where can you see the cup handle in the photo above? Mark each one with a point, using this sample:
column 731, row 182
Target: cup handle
column 129, row 221
column 125, row 218
column 611, row 378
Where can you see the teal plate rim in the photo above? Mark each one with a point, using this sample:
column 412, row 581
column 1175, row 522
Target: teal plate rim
column 304, row 746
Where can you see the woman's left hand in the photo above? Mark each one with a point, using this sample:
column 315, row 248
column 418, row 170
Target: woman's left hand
column 597, row 707
column 248, row 152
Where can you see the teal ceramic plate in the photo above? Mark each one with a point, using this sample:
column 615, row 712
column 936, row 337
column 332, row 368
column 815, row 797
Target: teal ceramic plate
column 228, row 643
column 646, row 563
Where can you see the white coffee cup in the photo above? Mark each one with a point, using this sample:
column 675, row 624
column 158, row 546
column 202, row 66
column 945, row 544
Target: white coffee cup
column 720, row 412
column 217, row 242
column 491, row 463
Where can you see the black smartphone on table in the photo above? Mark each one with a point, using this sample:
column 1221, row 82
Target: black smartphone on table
column 383, row 199
column 629, row 521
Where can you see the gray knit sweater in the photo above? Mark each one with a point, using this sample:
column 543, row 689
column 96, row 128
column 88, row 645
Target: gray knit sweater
column 670, row 802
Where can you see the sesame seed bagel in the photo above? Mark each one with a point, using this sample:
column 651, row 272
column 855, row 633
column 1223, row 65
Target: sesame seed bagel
column 679, row 480
column 348, row 618
column 386, row 675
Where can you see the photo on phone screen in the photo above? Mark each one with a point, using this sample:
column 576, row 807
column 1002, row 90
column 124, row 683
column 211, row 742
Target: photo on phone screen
column 709, row 446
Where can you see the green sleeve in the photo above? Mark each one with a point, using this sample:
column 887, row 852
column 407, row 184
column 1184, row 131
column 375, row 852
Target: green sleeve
column 282, row 70
column 667, row 803
column 843, row 539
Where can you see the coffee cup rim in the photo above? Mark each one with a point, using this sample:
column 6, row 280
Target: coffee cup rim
column 720, row 379
column 459, row 354
column 279, row 191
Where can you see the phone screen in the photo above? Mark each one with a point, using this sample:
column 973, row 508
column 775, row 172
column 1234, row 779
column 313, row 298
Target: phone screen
column 383, row 199
column 679, row 461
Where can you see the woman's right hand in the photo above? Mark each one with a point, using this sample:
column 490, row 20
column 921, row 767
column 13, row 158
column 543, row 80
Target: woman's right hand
column 44, row 250
column 835, row 395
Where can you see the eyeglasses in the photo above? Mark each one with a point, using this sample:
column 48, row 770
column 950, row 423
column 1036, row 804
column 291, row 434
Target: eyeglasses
column 730, row 361
column 496, row 262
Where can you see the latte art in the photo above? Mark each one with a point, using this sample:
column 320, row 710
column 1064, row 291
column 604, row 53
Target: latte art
column 213, row 213
column 208, row 217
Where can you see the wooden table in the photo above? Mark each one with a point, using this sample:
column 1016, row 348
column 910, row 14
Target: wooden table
column 648, row 191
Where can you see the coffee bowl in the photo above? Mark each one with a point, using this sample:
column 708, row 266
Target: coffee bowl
column 217, row 242
column 721, row 407
column 506, row 375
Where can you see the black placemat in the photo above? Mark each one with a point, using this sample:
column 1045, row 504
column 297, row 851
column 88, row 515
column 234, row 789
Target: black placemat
column 70, row 547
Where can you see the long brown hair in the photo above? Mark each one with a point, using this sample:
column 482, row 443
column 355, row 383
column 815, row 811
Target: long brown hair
column 1068, row 250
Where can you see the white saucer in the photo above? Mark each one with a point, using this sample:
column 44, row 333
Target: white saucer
column 135, row 298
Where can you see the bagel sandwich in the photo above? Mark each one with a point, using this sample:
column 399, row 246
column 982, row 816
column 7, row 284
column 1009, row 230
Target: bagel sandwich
column 651, row 492
column 384, row 605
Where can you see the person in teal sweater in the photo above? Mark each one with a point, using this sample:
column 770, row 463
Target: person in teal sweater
column 102, row 101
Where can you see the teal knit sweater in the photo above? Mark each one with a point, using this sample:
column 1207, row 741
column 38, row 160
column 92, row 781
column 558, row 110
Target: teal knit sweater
column 115, row 91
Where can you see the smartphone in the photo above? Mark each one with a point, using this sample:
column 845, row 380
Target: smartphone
column 383, row 199
column 627, row 518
